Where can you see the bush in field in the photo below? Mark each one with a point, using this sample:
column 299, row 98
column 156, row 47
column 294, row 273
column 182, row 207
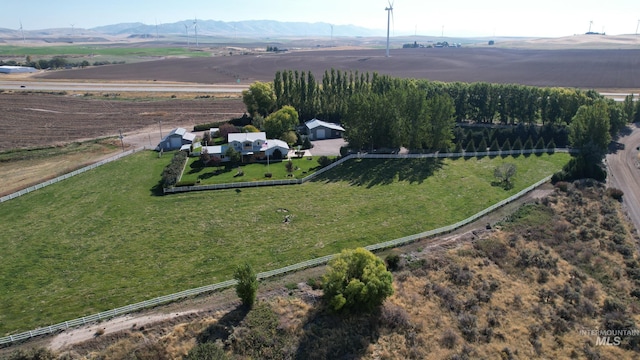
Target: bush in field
column 504, row 173
column 33, row 354
column 206, row 351
column 356, row 280
column 615, row 193
column 247, row 286
column 324, row 161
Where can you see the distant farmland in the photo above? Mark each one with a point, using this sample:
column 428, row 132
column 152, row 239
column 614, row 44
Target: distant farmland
column 581, row 68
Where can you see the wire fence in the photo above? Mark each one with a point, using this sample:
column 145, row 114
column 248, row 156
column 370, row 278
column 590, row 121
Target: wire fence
column 263, row 275
column 68, row 175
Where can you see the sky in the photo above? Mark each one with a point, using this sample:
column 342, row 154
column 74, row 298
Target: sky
column 457, row 18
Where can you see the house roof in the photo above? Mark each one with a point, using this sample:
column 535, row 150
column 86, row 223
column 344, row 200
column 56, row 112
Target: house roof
column 178, row 131
column 213, row 150
column 271, row 143
column 314, row 123
column 189, row 136
column 242, row 137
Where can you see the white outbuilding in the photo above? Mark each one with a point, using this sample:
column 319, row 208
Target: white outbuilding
column 7, row 69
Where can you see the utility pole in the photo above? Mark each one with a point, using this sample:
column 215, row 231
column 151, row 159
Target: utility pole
column 121, row 140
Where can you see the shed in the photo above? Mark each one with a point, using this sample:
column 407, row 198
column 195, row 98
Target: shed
column 319, row 130
column 175, row 139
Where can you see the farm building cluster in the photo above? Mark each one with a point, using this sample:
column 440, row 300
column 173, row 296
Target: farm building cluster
column 253, row 146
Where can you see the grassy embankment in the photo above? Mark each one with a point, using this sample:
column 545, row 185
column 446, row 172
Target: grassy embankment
column 103, row 239
column 21, row 168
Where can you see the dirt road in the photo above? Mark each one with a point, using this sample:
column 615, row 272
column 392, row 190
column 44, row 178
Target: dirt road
column 623, row 168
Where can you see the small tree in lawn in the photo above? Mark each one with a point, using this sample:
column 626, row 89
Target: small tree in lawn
column 206, row 138
column 234, row 157
column 216, row 161
column 247, row 286
column 505, row 173
column 205, row 157
column 356, row 280
column 289, row 166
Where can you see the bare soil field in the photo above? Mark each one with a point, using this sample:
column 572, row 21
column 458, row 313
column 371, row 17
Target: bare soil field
column 36, row 119
column 580, row 68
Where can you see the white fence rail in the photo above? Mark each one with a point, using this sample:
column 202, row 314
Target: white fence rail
column 68, row 175
column 263, row 275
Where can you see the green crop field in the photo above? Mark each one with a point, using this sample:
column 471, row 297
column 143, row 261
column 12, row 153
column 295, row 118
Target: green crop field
column 85, row 50
column 105, row 238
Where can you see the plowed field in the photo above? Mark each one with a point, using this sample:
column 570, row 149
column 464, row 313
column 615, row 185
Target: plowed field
column 581, row 68
column 34, row 119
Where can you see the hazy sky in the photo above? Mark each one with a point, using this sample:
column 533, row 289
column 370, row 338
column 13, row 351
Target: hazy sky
column 540, row 18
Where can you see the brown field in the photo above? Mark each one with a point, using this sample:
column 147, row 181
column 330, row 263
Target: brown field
column 580, row 68
column 37, row 119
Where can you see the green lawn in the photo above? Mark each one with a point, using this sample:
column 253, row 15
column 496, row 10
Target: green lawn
column 104, row 239
column 252, row 172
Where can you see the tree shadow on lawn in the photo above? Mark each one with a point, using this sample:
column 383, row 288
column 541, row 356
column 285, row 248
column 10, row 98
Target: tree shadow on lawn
column 332, row 336
column 372, row 172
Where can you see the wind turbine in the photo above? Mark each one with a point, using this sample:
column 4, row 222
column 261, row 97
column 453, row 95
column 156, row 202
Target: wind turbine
column 195, row 28
column 389, row 11
column 332, row 31
column 637, row 27
column 72, row 29
column 186, row 29
column 590, row 23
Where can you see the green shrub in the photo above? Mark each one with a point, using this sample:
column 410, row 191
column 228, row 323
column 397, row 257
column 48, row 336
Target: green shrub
column 185, row 183
column 247, row 287
column 356, row 280
column 172, row 172
column 393, row 261
column 324, row 161
column 615, row 193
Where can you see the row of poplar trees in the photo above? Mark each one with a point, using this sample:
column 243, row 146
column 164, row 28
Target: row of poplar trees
column 378, row 111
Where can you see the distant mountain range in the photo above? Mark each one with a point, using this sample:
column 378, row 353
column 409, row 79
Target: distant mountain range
column 248, row 28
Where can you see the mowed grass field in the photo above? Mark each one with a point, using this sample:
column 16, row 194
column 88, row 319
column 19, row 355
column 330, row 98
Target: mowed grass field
column 105, row 238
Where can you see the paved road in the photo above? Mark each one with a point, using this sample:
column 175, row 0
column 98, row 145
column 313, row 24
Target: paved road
column 624, row 173
column 117, row 86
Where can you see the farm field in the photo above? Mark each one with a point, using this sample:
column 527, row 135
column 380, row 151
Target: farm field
column 37, row 119
column 104, row 239
column 578, row 68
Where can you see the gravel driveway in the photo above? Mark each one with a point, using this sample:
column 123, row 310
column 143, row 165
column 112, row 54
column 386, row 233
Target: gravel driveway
column 327, row 147
column 624, row 173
